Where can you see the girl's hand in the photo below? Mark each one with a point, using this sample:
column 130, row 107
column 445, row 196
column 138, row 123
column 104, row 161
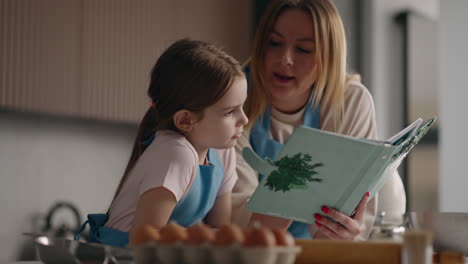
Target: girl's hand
column 346, row 227
column 270, row 221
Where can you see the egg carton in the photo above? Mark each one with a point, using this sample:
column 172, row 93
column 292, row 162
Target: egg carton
column 179, row 253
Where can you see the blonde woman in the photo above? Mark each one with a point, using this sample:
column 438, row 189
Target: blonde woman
column 298, row 76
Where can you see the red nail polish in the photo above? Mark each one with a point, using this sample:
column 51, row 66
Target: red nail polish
column 318, row 224
column 325, row 209
column 318, row 217
column 367, row 194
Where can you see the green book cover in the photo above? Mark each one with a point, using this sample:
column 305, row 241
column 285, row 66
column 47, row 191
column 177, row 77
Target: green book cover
column 317, row 168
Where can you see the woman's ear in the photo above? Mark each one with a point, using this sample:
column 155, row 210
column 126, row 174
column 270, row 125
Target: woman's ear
column 184, row 120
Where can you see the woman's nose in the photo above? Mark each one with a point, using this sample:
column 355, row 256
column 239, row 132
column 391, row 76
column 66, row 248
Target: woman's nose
column 287, row 57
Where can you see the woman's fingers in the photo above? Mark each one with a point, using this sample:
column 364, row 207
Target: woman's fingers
column 345, row 222
column 324, row 232
column 332, row 229
column 361, row 208
column 342, row 226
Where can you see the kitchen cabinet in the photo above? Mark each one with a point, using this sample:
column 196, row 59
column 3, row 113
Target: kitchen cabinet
column 92, row 59
column 39, row 55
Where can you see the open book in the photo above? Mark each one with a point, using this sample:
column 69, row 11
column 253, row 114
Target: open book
column 317, row 168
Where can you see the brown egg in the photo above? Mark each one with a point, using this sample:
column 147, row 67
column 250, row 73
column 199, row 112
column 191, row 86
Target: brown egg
column 172, row 233
column 228, row 235
column 144, row 234
column 200, row 234
column 283, row 238
column 260, row 237
column 247, row 231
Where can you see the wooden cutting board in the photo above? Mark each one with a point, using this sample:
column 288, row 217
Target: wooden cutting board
column 349, row 252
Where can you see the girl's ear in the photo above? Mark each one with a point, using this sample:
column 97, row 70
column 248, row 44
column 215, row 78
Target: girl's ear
column 184, row 120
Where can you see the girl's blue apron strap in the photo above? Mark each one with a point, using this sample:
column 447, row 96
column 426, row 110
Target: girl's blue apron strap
column 80, row 230
column 98, row 233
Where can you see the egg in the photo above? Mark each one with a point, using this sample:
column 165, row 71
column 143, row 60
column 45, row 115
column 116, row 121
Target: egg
column 283, row 238
column 260, row 237
column 172, row 233
column 247, row 231
column 200, row 234
column 228, row 235
column 144, row 234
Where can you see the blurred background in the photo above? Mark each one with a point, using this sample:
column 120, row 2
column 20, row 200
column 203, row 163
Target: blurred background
column 74, row 73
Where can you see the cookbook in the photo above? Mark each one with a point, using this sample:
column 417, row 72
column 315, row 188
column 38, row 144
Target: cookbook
column 317, row 168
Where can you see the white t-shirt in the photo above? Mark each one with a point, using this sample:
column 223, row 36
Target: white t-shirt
column 171, row 162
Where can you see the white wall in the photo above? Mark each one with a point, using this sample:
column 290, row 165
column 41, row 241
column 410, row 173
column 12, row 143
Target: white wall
column 382, row 56
column 423, row 70
column 453, row 105
column 347, row 9
column 380, row 67
column 47, row 159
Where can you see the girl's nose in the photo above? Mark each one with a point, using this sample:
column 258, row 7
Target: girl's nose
column 244, row 120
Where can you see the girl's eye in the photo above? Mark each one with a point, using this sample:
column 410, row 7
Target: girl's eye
column 303, row 50
column 229, row 113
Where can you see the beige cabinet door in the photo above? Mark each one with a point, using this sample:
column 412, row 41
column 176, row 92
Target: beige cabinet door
column 92, row 59
column 39, row 55
column 122, row 40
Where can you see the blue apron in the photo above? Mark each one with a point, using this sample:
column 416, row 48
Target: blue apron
column 191, row 209
column 266, row 147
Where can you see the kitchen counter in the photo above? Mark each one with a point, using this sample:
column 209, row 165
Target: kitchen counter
column 24, row 262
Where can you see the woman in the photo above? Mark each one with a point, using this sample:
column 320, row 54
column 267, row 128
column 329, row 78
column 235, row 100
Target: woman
column 298, row 76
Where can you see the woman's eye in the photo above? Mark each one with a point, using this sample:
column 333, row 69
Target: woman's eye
column 274, row 43
column 303, row 50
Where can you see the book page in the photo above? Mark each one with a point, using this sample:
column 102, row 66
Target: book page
column 405, row 133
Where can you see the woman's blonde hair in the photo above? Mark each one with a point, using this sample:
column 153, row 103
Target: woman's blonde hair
column 332, row 78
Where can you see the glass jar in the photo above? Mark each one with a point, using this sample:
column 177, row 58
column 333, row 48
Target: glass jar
column 388, row 227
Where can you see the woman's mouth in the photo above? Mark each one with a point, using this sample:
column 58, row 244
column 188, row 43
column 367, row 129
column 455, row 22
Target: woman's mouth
column 282, row 78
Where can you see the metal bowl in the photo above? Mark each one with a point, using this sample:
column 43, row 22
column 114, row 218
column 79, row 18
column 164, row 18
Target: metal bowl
column 54, row 250
column 450, row 230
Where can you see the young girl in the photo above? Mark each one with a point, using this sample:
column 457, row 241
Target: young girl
column 183, row 165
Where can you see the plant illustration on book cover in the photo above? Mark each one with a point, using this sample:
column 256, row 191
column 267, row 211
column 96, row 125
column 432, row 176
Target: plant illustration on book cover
column 293, row 173
column 317, row 168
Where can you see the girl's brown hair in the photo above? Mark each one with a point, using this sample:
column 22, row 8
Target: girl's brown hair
column 330, row 43
column 190, row 75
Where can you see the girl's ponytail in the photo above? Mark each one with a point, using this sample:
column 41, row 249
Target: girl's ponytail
column 145, row 136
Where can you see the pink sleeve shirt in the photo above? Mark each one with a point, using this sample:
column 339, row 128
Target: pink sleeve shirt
column 170, row 162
